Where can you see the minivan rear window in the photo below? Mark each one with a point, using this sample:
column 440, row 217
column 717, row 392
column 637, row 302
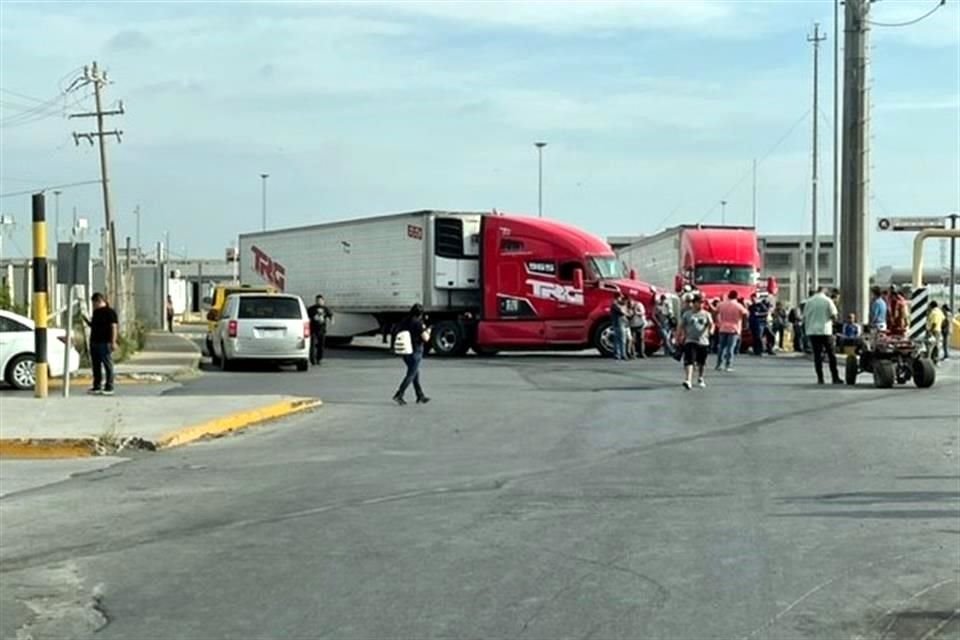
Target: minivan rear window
column 269, row 307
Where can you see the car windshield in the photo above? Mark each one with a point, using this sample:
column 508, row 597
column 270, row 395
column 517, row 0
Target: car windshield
column 725, row 275
column 269, row 307
column 606, row 267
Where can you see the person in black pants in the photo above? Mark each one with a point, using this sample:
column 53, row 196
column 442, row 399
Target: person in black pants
column 104, row 334
column 819, row 315
column 419, row 334
column 319, row 314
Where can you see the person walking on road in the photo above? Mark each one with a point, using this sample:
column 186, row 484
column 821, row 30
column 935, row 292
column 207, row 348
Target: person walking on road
column 730, row 317
column 419, row 335
column 319, row 314
column 779, row 324
column 104, row 337
column 170, row 314
column 696, row 325
column 663, row 316
column 819, row 314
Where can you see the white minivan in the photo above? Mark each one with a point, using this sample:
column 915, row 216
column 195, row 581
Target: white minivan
column 263, row 327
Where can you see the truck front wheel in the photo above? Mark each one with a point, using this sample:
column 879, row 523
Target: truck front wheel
column 603, row 338
column 447, row 338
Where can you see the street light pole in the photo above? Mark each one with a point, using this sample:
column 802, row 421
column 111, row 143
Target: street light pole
column 263, row 194
column 723, row 213
column 540, row 146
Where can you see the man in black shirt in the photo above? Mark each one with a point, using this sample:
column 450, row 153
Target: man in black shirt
column 319, row 314
column 419, row 334
column 104, row 333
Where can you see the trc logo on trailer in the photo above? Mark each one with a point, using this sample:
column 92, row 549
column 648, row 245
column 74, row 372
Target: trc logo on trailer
column 269, row 269
column 555, row 291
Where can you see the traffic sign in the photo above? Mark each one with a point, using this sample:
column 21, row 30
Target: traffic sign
column 915, row 223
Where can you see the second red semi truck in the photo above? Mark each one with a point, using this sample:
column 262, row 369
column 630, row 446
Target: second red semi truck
column 712, row 259
column 488, row 282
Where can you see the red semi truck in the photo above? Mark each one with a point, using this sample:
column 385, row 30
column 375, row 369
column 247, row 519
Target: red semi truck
column 488, row 282
column 712, row 259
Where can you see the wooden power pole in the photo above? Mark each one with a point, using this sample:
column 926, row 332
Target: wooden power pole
column 816, row 39
column 98, row 78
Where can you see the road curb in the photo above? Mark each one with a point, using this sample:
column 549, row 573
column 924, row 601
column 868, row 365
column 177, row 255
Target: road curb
column 14, row 448
column 11, row 448
column 237, row 421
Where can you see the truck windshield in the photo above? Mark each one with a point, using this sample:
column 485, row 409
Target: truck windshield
column 606, row 267
column 724, row 274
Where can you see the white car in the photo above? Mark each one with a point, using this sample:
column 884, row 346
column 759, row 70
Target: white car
column 264, row 327
column 17, row 357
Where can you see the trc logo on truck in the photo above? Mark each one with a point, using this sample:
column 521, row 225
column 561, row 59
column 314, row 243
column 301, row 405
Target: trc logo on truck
column 555, row 291
column 269, row 269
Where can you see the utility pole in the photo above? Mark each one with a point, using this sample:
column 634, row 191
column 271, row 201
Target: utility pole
column 953, row 264
column 836, row 144
column 855, row 274
column 136, row 212
column 540, row 146
column 98, row 78
column 263, row 196
column 816, row 39
column 723, row 213
column 754, row 194
column 56, row 216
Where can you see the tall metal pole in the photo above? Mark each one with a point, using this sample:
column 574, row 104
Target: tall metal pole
column 723, row 212
column 836, row 143
column 754, row 194
column 816, row 39
column 263, row 196
column 854, row 273
column 540, row 146
column 953, row 264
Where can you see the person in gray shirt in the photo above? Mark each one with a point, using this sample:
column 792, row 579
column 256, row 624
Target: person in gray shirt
column 696, row 327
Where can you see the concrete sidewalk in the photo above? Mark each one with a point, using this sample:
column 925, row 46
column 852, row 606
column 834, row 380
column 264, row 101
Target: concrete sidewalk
column 95, row 425
column 165, row 356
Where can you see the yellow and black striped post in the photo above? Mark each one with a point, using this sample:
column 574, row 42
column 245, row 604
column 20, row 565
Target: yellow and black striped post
column 40, row 292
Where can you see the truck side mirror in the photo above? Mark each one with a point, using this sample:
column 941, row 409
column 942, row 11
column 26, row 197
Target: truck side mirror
column 578, row 279
column 772, row 286
column 678, row 283
column 213, row 315
column 633, row 274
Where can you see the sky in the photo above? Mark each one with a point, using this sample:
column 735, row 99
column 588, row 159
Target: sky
column 653, row 111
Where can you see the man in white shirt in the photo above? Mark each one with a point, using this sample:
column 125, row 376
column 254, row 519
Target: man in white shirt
column 819, row 314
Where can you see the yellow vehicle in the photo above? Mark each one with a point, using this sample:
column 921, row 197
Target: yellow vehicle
column 218, row 299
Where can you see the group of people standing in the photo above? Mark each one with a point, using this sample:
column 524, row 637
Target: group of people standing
column 629, row 318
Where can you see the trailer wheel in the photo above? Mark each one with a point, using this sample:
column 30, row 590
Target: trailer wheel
column 924, row 373
column 852, row 369
column 448, row 339
column 603, row 338
column 884, row 374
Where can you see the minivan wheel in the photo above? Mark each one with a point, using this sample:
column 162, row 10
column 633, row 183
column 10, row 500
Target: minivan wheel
column 225, row 364
column 303, row 365
column 22, row 372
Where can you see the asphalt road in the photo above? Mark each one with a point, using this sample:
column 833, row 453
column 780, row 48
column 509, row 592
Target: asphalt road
column 536, row 497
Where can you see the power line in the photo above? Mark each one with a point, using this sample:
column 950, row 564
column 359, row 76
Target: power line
column 749, row 171
column 908, row 22
column 48, row 188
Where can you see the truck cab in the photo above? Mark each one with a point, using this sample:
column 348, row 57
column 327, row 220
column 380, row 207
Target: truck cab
column 549, row 285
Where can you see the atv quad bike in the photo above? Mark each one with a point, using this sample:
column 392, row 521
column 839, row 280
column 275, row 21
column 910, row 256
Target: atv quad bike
column 892, row 359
